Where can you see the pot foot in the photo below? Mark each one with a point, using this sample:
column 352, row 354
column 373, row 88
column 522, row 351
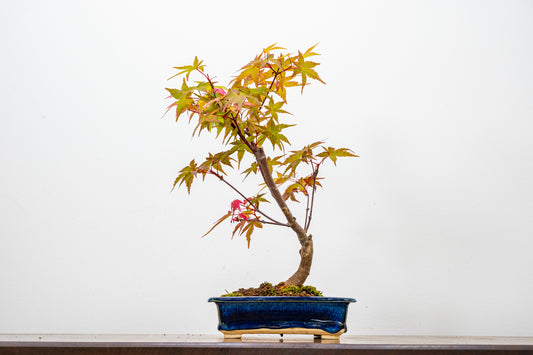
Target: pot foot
column 327, row 337
column 317, row 333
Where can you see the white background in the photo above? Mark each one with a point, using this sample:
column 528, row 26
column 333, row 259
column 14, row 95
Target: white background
column 430, row 229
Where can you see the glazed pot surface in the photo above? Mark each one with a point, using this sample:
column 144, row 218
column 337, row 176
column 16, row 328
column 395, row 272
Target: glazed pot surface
column 325, row 314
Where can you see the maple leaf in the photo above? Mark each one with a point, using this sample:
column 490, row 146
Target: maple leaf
column 248, row 226
column 272, row 162
column 272, row 132
column 305, row 69
column 240, row 225
column 281, row 179
column 292, row 162
column 256, row 200
column 272, row 47
column 309, row 52
column 222, row 219
column 291, row 191
column 188, row 69
column 273, row 108
column 252, row 169
column 282, row 83
column 241, row 148
column 217, row 160
column 236, row 205
column 184, row 100
column 186, row 175
column 333, row 153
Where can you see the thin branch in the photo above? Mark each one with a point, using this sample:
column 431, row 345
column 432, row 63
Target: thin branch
column 306, row 212
column 208, row 79
column 307, row 203
column 315, row 173
column 276, row 73
column 235, row 125
column 250, row 202
column 266, row 222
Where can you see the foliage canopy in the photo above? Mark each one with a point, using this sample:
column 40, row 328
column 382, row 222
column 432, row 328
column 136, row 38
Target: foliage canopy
column 245, row 116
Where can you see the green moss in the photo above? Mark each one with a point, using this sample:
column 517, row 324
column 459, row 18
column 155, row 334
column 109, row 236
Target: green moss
column 312, row 291
column 291, row 290
column 233, row 294
column 267, row 289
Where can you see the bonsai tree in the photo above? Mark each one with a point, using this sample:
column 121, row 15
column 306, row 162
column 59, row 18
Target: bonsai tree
column 245, row 116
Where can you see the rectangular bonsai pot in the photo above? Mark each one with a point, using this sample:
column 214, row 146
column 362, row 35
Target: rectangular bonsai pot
column 324, row 316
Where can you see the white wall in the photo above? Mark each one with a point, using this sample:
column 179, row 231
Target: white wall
column 430, row 229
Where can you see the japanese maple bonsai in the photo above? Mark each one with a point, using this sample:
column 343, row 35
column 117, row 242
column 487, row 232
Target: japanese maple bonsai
column 245, row 116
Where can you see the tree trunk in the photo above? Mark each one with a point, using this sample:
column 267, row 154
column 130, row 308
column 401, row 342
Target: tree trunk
column 306, row 258
column 306, row 241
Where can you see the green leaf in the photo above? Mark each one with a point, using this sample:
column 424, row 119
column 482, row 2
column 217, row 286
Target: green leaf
column 333, row 153
column 188, row 69
column 186, row 175
column 281, row 179
column 272, row 132
column 175, row 93
column 305, row 69
column 292, row 162
column 309, row 52
column 251, row 169
column 272, row 47
column 240, row 225
column 241, row 148
column 272, row 162
column 216, row 161
column 182, row 105
column 291, row 191
column 223, row 218
column 273, row 108
column 250, row 228
column 257, row 199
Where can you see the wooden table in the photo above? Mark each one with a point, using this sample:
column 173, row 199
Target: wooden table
column 22, row 344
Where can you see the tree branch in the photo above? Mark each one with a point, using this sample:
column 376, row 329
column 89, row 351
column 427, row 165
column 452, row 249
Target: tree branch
column 273, row 221
column 208, row 79
column 276, row 73
column 240, row 134
column 266, row 222
column 308, row 220
column 306, row 212
column 261, row 159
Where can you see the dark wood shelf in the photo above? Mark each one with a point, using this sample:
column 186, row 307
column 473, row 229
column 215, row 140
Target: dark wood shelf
column 173, row 344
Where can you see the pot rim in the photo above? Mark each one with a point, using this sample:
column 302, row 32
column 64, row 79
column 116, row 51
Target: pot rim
column 310, row 299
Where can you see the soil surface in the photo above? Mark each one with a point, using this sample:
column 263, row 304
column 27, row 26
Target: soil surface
column 281, row 289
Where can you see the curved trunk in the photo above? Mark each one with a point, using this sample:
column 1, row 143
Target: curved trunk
column 306, row 241
column 306, row 258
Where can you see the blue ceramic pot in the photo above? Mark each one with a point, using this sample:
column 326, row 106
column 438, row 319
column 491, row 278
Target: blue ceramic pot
column 280, row 315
